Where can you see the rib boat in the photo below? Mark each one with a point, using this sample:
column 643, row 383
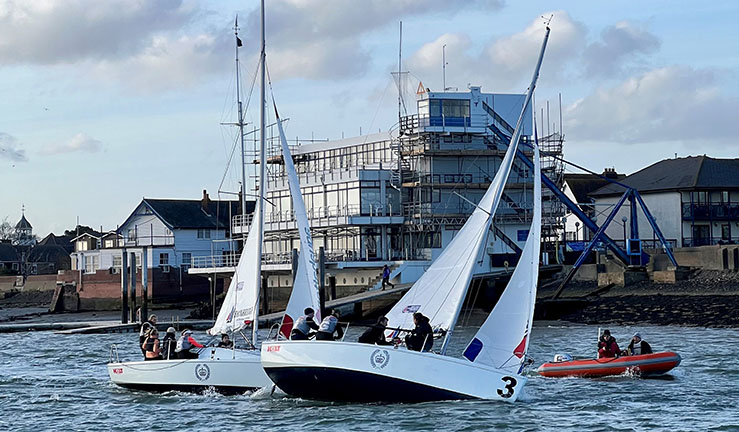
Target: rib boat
column 643, row 365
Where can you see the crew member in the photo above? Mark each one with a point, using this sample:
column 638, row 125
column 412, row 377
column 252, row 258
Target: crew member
column 638, row 346
column 169, row 344
column 151, row 346
column 304, row 325
column 607, row 346
column 422, row 337
column 184, row 343
column 376, row 333
column 329, row 326
column 225, row 342
column 146, row 327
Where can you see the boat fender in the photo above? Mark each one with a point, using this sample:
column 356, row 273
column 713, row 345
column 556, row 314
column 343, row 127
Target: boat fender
column 559, row 358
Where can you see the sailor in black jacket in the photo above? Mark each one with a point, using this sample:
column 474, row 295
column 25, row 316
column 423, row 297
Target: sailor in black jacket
column 376, row 333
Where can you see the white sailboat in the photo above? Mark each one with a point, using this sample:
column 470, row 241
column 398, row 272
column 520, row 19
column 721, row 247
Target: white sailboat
column 237, row 370
column 492, row 363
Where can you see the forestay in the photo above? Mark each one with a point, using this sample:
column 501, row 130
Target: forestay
column 502, row 341
column 305, row 286
column 239, row 306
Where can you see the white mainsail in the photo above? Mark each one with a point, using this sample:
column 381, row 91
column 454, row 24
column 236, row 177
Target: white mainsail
column 305, row 286
column 502, row 341
column 440, row 291
column 239, row 306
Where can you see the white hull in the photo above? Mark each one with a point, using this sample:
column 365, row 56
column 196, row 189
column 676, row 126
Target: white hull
column 223, row 369
column 347, row 371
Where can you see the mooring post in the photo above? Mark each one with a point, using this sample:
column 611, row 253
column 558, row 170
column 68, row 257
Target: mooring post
column 265, row 298
column 294, row 269
column 322, row 279
column 124, row 287
column 132, row 278
column 332, row 286
column 144, row 284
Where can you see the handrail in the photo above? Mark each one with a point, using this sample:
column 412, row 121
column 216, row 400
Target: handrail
column 114, row 354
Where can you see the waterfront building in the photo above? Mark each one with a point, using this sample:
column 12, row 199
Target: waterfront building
column 173, row 233
column 695, row 201
column 577, row 187
column 398, row 197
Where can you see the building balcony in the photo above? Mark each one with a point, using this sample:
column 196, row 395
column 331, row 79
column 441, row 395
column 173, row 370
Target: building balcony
column 710, row 211
column 324, row 217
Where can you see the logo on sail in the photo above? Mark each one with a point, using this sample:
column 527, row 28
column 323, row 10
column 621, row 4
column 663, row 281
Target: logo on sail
column 379, row 358
column 411, row 308
column 230, row 315
column 202, row 372
column 239, row 286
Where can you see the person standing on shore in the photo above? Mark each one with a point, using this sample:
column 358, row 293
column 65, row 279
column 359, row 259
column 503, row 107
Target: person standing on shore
column 386, row 277
column 145, row 329
column 607, row 346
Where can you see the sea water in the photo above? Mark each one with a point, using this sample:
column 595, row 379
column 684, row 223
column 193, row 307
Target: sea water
column 60, row 382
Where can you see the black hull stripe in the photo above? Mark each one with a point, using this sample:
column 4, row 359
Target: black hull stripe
column 342, row 385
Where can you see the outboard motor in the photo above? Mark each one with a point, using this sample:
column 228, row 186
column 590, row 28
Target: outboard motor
column 559, row 358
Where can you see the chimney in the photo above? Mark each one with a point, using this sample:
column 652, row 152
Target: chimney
column 610, row 173
column 205, row 202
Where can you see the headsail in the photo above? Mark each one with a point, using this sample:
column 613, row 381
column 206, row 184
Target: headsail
column 305, row 287
column 440, row 291
column 503, row 339
column 239, row 306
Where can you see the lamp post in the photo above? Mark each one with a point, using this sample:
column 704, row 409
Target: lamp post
column 623, row 220
column 577, row 231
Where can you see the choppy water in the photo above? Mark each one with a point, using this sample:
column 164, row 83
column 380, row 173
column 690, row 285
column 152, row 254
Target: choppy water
column 53, row 382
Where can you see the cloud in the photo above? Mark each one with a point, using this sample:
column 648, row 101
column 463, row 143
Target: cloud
column 620, row 43
column 675, row 103
column 502, row 63
column 169, row 62
column 69, row 31
column 81, row 142
column 322, row 40
column 9, row 149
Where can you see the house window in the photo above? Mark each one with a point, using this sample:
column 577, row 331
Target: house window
column 132, row 235
column 203, row 234
column 186, row 260
column 117, row 263
column 92, row 264
column 164, row 262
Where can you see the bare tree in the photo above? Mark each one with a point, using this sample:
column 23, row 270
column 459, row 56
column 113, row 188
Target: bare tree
column 7, row 231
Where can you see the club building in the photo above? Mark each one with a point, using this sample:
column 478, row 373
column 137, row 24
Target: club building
column 399, row 197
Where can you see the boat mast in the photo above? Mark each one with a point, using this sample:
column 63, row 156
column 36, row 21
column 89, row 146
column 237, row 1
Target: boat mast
column 241, row 128
column 514, row 142
column 262, row 178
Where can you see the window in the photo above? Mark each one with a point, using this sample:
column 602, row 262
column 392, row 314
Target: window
column 92, row 264
column 117, row 263
column 186, row 260
column 132, row 234
column 203, row 234
column 164, row 262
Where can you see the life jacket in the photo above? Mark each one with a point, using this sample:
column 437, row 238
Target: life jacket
column 183, row 343
column 636, row 348
column 328, row 324
column 302, row 325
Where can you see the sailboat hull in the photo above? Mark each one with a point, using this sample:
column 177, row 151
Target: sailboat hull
column 224, row 370
column 353, row 372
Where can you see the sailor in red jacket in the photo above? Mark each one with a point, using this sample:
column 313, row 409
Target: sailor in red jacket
column 607, row 346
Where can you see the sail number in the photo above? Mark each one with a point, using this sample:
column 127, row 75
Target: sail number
column 507, row 391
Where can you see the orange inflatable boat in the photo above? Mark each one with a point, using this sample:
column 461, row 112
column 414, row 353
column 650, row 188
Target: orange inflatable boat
column 647, row 364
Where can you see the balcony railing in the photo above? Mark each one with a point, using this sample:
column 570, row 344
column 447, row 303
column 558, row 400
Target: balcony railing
column 231, row 259
column 322, row 213
column 711, row 211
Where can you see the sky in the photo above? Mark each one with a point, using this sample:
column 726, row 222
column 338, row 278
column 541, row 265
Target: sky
column 103, row 103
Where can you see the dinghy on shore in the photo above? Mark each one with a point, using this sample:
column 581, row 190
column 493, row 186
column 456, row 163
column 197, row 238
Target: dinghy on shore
column 644, row 365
